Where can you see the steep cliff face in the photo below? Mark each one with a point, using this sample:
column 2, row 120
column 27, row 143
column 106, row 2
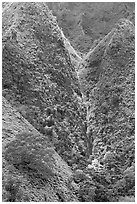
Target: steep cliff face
column 107, row 81
column 38, row 69
column 32, row 170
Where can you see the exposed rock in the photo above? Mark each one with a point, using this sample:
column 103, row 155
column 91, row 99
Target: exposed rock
column 74, row 56
column 29, row 158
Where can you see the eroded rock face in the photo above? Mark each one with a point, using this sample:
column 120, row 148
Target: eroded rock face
column 37, row 69
column 108, row 88
column 31, row 160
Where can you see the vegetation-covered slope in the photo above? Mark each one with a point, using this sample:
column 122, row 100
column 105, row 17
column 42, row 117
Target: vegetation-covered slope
column 78, row 107
column 32, row 170
column 85, row 22
column 41, row 83
column 107, row 77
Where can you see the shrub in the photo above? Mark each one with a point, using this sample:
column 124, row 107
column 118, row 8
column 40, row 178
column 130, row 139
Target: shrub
column 12, row 186
column 126, row 199
column 30, row 153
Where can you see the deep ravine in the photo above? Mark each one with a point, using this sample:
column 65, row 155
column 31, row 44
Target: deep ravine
column 68, row 119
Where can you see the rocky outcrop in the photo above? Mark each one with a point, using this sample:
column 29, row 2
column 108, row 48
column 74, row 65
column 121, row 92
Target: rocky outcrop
column 38, row 62
column 107, row 81
column 30, row 161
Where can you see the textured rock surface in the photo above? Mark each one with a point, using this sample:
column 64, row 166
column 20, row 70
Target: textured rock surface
column 108, row 86
column 28, row 157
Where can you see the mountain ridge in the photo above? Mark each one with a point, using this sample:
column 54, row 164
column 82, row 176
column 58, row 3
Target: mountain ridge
column 71, row 116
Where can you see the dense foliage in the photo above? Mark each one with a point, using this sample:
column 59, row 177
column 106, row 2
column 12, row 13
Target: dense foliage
column 85, row 22
column 84, row 111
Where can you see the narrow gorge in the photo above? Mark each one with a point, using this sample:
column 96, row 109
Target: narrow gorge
column 68, row 117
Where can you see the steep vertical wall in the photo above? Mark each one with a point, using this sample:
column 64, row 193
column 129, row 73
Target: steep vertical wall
column 107, row 82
